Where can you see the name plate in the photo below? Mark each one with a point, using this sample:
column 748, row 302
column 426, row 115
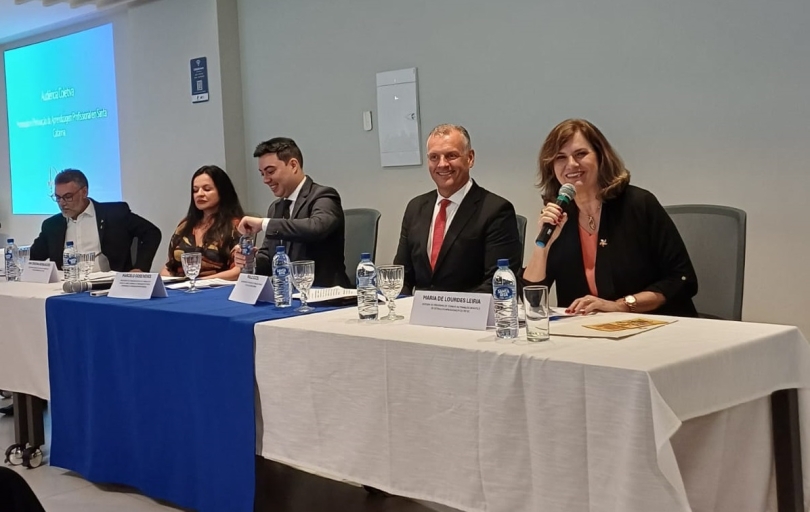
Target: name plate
column 40, row 272
column 251, row 288
column 472, row 311
column 137, row 285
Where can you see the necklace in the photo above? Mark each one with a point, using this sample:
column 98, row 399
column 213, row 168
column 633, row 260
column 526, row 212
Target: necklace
column 592, row 218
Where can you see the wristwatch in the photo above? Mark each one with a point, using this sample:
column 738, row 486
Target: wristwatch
column 631, row 302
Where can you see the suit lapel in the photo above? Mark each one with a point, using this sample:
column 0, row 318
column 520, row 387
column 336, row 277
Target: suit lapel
column 100, row 223
column 603, row 269
column 422, row 231
column 59, row 242
column 465, row 212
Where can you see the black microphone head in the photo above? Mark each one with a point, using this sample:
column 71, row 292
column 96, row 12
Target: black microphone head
column 568, row 191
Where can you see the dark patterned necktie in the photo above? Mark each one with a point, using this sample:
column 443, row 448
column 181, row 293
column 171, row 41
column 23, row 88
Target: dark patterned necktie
column 282, row 209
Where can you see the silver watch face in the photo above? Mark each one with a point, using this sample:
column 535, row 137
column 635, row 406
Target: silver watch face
column 630, row 300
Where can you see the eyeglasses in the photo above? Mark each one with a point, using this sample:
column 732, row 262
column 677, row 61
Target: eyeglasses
column 68, row 198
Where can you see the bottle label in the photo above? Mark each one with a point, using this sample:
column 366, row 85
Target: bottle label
column 504, row 293
column 281, row 271
column 72, row 260
column 9, row 256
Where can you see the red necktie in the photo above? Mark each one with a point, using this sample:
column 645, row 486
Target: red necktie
column 438, row 232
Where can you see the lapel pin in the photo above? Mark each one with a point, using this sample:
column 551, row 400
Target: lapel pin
column 603, row 242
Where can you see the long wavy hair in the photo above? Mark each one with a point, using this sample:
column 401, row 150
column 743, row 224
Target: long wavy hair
column 613, row 176
column 228, row 210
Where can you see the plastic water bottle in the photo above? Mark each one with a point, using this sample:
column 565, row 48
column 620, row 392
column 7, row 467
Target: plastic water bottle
column 246, row 246
column 504, row 293
column 367, row 288
column 70, row 263
column 282, row 278
column 10, row 256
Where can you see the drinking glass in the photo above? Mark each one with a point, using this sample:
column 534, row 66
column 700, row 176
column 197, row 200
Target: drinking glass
column 303, row 274
column 22, row 260
column 535, row 304
column 192, row 261
column 390, row 279
column 85, row 262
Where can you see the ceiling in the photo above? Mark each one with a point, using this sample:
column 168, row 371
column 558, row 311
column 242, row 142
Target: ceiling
column 28, row 18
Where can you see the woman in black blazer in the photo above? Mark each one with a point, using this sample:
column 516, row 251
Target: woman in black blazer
column 615, row 249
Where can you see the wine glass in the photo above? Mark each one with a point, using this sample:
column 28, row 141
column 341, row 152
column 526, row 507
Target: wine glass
column 86, row 262
column 390, row 279
column 22, row 260
column 303, row 274
column 191, row 266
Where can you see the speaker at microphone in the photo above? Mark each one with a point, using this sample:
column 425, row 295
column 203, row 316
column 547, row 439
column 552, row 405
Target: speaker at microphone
column 566, row 194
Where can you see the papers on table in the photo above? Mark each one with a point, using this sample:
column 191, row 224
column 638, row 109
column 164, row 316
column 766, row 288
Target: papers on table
column 611, row 326
column 201, row 283
column 325, row 294
column 173, row 279
column 101, row 276
column 556, row 313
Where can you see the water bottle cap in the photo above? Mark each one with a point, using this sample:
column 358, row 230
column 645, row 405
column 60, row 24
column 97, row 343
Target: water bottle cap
column 69, row 244
column 365, row 256
column 280, row 249
column 503, row 262
column 10, row 241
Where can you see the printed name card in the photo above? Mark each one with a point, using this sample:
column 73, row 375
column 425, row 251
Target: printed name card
column 40, row 272
column 137, row 285
column 251, row 288
column 472, row 311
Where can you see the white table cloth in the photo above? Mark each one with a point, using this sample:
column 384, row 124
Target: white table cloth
column 23, row 337
column 675, row 419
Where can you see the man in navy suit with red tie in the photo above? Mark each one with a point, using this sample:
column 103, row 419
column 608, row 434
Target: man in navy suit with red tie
column 452, row 237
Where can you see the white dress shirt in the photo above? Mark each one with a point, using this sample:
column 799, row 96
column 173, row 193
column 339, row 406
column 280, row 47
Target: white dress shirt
column 452, row 208
column 83, row 232
column 291, row 198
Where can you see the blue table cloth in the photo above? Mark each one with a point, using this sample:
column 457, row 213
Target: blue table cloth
column 158, row 394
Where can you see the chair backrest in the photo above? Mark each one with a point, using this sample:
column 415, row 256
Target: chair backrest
column 715, row 239
column 521, row 222
column 361, row 236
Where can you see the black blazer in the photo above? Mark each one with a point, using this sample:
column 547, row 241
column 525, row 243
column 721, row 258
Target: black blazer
column 316, row 230
column 483, row 230
column 117, row 227
column 639, row 249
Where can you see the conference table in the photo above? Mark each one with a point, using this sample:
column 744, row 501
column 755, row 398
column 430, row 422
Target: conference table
column 159, row 395
column 695, row 416
column 24, row 360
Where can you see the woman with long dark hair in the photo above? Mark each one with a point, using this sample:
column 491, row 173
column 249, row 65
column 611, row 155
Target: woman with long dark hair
column 209, row 226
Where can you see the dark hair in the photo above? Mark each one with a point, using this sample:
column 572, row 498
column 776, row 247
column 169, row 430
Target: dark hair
column 613, row 176
column 283, row 147
column 229, row 209
column 71, row 176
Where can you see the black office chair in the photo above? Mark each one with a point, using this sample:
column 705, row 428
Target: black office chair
column 362, row 225
column 521, row 222
column 715, row 239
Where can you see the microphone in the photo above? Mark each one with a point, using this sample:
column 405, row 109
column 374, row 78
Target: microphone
column 83, row 286
column 566, row 195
